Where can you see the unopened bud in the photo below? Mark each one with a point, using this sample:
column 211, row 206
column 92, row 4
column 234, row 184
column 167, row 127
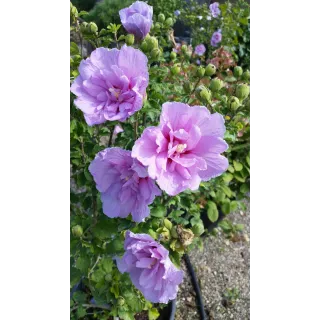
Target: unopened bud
column 144, row 46
column 210, row 70
column 173, row 55
column 215, row 85
column 77, row 231
column 152, row 43
column 130, row 39
column 174, row 233
column 169, row 22
column 246, row 75
column 203, row 93
column 161, row 17
column 234, row 103
column 121, row 301
column 184, row 48
column 157, row 26
column 93, row 27
column 155, row 54
column 83, row 27
column 237, row 72
column 200, row 72
column 242, row 91
column 175, row 70
column 164, row 233
column 74, row 11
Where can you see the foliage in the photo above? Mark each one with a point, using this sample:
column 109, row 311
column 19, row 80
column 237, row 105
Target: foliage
column 99, row 289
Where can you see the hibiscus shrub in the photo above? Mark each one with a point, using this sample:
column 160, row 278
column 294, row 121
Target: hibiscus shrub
column 159, row 148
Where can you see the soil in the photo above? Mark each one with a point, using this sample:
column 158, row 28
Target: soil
column 222, row 265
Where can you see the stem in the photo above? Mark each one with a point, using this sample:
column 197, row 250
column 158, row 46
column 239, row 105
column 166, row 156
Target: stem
column 194, row 89
column 94, row 266
column 110, row 137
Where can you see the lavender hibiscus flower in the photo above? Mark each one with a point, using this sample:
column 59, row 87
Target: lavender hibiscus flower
column 184, row 149
column 137, row 19
column 214, row 8
column 111, row 85
column 216, row 38
column 200, row 49
column 124, row 184
column 150, row 268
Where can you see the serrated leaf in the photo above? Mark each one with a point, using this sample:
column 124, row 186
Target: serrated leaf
column 79, row 297
column 106, row 264
column 213, row 213
column 83, row 264
column 81, row 312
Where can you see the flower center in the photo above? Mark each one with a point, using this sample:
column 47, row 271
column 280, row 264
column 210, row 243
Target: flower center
column 181, row 148
column 115, row 92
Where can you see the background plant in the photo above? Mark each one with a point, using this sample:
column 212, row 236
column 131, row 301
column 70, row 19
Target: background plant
column 99, row 289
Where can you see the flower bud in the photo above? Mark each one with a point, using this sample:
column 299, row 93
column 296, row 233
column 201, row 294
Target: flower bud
column 157, row 26
column 188, row 55
column 169, row 22
column 173, row 55
column 237, row 72
column 83, row 27
column 77, row 231
column 130, row 39
column 184, row 48
column 153, row 234
column 198, row 229
column 246, row 75
column 121, row 301
column 200, row 72
column 187, row 87
column 74, row 11
column 210, row 70
column 93, row 27
column 144, row 46
column 152, row 43
column 203, row 93
column 175, row 70
column 155, row 54
column 167, row 223
column 161, row 17
column 216, row 84
column 242, row 91
column 234, row 103
column 164, row 233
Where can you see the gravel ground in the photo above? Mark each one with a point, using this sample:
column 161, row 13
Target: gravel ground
column 222, row 265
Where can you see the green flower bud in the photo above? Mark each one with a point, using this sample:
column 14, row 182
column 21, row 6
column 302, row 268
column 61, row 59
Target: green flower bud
column 200, row 72
column 157, row 26
column 167, row 223
column 188, row 55
column 173, row 55
column 155, row 54
column 161, row 17
column 234, row 103
column 130, row 39
column 175, row 70
column 216, row 84
column 93, row 27
column 237, row 72
column 152, row 43
column 224, row 99
column 203, row 93
column 144, row 46
column 184, row 49
column 198, row 229
column 169, row 22
column 121, row 301
column 246, row 75
column 187, row 87
column 242, row 91
column 74, row 12
column 77, row 231
column 83, row 27
column 210, row 70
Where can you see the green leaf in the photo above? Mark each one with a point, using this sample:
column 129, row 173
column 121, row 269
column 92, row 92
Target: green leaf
column 248, row 160
column 233, row 206
column 220, row 196
column 244, row 188
column 79, row 297
column 125, row 315
column 106, row 264
column 83, row 263
column 97, row 275
column 226, row 208
column 115, row 290
column 239, row 177
column 227, row 177
column 231, row 169
column 225, row 225
column 226, row 190
column 213, row 213
column 153, row 314
column 74, row 50
column 239, row 227
column 81, row 312
column 175, row 258
column 75, row 276
column 159, row 211
column 237, row 165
